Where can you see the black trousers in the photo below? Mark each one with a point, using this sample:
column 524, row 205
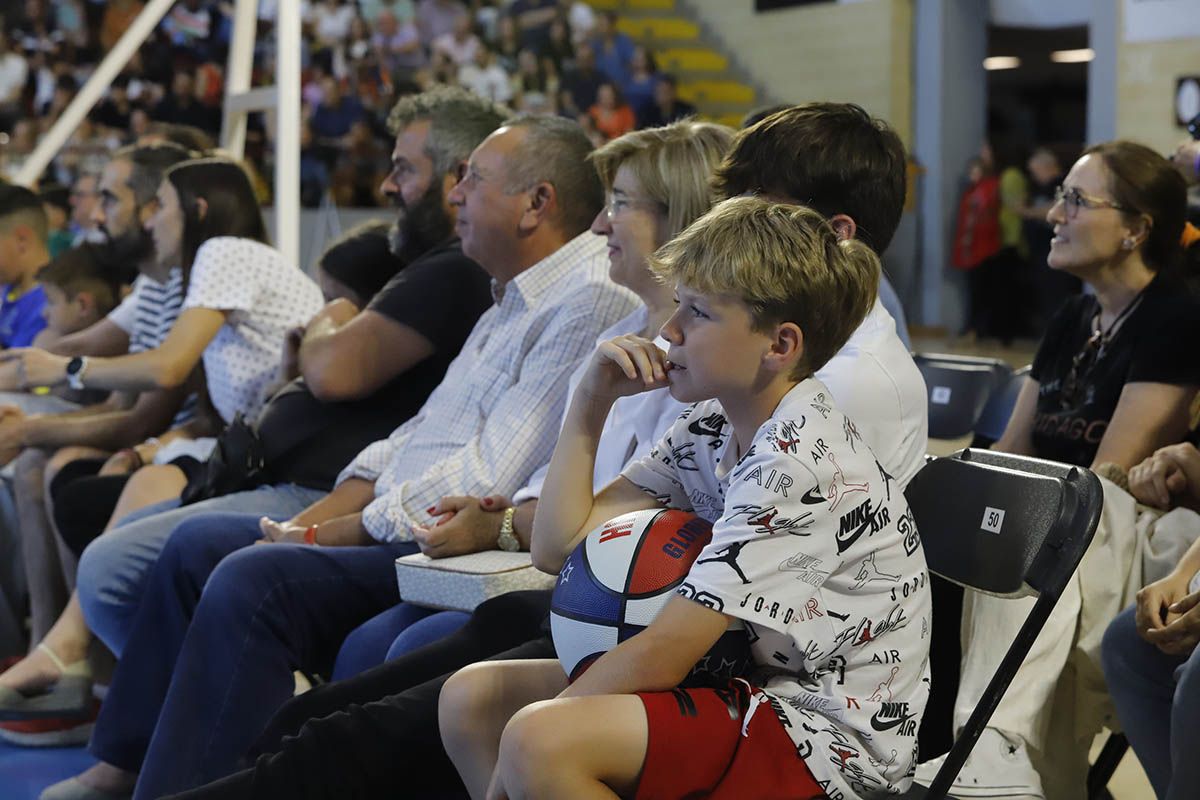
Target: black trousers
column 376, row 735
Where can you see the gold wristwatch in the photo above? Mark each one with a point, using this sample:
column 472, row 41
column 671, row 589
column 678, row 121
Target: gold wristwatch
column 508, row 541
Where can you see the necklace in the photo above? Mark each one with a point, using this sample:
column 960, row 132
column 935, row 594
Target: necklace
column 1093, row 350
column 1101, row 336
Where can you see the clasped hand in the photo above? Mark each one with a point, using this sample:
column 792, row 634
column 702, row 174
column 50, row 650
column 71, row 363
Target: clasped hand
column 463, row 525
column 1169, row 477
column 1168, row 617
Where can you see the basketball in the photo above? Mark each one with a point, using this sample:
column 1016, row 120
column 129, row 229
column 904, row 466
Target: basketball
column 619, row 578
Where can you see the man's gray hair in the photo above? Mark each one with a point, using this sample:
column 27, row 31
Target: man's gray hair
column 148, row 164
column 555, row 151
column 458, row 121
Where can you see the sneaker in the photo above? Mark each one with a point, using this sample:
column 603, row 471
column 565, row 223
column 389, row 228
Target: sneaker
column 998, row 767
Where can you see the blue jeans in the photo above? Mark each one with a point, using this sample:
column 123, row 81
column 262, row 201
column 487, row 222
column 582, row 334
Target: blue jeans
column 399, row 630
column 1158, row 701
column 220, row 629
column 114, row 568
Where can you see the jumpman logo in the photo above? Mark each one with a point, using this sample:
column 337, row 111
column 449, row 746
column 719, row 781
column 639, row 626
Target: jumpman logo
column 886, row 686
column 843, row 755
column 867, row 572
column 838, row 487
column 729, row 555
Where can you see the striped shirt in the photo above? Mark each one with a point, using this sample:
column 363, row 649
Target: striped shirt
column 147, row 315
column 495, row 416
column 149, row 311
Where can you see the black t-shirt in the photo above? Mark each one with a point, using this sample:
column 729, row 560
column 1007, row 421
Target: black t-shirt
column 441, row 295
column 1159, row 342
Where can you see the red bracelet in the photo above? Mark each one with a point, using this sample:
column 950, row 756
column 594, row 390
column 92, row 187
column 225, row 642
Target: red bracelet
column 310, row 535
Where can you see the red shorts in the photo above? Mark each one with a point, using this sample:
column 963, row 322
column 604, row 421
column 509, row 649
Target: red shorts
column 696, row 749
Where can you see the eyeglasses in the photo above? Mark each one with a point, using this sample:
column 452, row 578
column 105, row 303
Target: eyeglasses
column 1075, row 200
column 615, row 205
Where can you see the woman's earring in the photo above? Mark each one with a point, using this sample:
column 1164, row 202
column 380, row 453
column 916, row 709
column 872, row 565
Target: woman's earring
column 1127, row 243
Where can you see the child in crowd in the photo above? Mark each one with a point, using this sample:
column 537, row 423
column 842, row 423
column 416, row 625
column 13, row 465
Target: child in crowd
column 80, row 290
column 23, row 252
column 813, row 548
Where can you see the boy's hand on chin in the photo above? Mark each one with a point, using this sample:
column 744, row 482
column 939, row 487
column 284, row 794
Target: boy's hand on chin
column 624, row 366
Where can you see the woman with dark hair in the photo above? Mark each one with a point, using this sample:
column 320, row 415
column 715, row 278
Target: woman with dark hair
column 611, row 115
column 1111, row 384
column 241, row 299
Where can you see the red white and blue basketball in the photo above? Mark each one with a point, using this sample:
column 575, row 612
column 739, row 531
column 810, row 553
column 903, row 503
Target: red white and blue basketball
column 619, row 578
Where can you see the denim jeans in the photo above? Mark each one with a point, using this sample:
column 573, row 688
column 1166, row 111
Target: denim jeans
column 221, row 627
column 399, row 630
column 114, row 568
column 1158, row 701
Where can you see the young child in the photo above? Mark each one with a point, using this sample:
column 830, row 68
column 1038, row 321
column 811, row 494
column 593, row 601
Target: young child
column 79, row 289
column 813, row 548
column 22, row 253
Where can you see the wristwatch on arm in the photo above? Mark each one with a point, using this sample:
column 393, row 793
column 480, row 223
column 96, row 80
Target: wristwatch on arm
column 508, row 541
column 75, row 369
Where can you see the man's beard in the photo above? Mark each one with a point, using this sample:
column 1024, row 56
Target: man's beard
column 128, row 253
column 420, row 226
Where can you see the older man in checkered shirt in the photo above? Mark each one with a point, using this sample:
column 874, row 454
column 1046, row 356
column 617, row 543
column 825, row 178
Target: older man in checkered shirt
column 523, row 209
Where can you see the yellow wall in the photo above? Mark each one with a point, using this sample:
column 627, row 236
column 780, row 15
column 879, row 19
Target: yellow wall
column 1146, row 74
column 856, row 52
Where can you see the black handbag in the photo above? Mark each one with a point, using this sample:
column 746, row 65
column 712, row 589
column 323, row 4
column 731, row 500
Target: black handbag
column 237, row 463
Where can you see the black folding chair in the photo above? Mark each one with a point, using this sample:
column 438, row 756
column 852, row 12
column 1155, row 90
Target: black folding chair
column 957, row 389
column 1009, row 526
column 995, row 415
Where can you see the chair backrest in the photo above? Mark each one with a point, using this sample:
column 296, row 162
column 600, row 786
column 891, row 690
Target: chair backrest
column 1007, row 525
column 996, row 413
column 957, row 389
column 1000, row 523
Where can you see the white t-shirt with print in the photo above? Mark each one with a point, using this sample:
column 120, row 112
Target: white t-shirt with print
column 263, row 297
column 815, row 549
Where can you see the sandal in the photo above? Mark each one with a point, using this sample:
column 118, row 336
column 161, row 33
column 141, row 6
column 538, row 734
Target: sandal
column 69, row 696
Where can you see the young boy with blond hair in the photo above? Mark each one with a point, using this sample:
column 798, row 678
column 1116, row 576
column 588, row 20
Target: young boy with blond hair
column 825, row 569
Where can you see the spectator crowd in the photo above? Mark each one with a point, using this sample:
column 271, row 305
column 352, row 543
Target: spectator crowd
column 215, row 459
column 359, row 56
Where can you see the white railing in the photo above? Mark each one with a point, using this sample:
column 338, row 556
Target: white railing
column 283, row 100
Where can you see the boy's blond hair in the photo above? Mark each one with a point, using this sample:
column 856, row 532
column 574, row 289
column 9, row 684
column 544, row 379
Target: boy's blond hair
column 673, row 166
column 786, row 263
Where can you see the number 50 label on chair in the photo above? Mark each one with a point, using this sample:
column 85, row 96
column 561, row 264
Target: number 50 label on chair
column 993, row 519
